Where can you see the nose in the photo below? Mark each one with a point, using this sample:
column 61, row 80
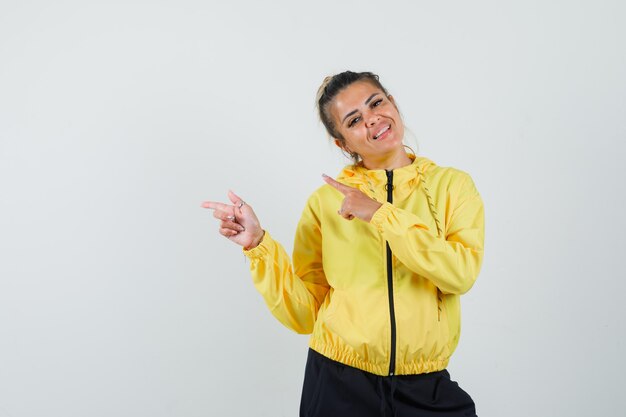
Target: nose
column 372, row 119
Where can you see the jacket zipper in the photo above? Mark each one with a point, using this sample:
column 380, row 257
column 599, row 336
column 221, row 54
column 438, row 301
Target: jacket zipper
column 392, row 314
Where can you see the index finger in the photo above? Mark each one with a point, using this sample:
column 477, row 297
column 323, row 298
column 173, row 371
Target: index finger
column 217, row 206
column 343, row 189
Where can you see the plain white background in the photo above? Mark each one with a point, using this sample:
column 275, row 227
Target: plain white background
column 117, row 119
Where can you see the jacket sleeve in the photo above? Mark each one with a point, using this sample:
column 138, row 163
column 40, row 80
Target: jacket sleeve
column 451, row 262
column 293, row 294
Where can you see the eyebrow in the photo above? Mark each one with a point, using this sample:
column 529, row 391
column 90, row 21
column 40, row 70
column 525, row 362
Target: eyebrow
column 354, row 111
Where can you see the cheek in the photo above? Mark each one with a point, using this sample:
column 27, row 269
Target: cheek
column 356, row 136
column 398, row 121
column 349, row 142
column 400, row 128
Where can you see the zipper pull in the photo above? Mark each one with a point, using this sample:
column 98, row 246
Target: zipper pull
column 389, row 185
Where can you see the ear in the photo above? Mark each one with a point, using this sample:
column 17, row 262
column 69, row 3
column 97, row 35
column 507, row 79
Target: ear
column 338, row 143
column 390, row 97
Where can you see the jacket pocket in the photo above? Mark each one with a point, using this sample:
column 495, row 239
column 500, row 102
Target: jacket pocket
column 329, row 319
column 439, row 304
column 443, row 321
column 333, row 303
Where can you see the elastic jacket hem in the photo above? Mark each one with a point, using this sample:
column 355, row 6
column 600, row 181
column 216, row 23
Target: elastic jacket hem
column 402, row 368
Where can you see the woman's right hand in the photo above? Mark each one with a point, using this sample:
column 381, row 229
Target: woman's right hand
column 238, row 221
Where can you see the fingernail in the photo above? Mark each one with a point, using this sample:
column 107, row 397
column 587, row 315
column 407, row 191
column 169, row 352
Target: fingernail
column 242, row 229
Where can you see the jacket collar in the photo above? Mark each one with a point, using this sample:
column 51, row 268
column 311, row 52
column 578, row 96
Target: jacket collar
column 372, row 181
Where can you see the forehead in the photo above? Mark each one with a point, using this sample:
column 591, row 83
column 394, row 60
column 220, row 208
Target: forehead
column 353, row 97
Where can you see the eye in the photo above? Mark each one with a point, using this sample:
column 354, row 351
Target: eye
column 354, row 121
column 377, row 102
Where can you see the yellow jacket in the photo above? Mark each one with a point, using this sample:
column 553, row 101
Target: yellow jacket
column 402, row 318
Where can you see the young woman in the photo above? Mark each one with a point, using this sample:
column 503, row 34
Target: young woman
column 381, row 257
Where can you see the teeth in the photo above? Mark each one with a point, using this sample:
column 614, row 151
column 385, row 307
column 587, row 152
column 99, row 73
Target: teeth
column 381, row 132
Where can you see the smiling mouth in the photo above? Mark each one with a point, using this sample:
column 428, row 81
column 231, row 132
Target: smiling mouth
column 382, row 132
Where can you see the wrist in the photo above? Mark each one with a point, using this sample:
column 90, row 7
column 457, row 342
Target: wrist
column 256, row 241
column 375, row 209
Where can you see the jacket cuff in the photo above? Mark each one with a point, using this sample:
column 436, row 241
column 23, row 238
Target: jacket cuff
column 262, row 249
column 381, row 215
column 389, row 218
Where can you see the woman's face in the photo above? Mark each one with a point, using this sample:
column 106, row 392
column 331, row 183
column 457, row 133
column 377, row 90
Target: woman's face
column 369, row 122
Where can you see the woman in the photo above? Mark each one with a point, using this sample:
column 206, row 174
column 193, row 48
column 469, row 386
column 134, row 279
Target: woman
column 381, row 256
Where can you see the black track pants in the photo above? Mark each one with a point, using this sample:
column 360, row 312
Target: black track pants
column 334, row 389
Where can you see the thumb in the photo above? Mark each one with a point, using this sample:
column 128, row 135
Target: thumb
column 234, row 198
column 241, row 208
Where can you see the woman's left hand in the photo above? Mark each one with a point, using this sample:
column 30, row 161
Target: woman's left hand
column 356, row 203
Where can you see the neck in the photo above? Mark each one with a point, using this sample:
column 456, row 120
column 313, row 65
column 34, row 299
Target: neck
column 397, row 160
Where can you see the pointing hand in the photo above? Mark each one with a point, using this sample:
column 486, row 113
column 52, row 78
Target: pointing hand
column 355, row 203
column 238, row 221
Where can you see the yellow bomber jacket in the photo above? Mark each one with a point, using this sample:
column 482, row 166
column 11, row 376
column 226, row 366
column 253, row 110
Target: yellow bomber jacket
column 398, row 318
